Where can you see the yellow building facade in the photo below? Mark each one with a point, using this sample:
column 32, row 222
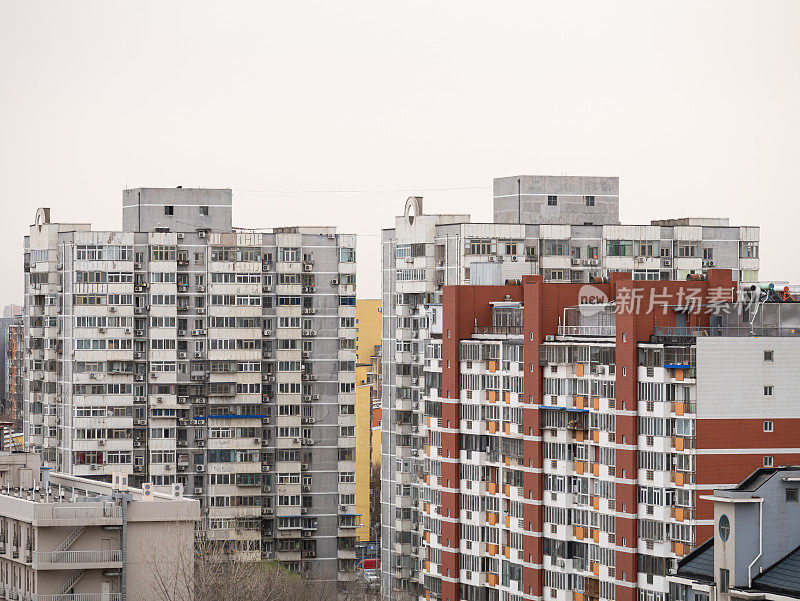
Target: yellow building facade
column 368, row 316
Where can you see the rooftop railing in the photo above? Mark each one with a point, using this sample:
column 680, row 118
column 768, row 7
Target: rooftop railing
column 498, row 330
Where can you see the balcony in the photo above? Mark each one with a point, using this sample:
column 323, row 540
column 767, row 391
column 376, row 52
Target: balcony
column 80, row 597
column 500, row 330
column 60, row 560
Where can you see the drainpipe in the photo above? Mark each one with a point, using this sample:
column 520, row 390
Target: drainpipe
column 760, row 542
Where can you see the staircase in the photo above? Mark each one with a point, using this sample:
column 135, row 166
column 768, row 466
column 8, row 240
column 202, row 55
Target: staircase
column 71, row 581
column 71, row 538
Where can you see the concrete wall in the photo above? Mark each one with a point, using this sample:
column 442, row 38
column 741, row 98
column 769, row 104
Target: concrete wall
column 143, row 209
column 571, row 206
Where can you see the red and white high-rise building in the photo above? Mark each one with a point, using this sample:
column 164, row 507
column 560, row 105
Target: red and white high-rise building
column 572, row 430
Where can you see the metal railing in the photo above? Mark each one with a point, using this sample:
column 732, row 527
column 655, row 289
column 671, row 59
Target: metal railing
column 725, row 331
column 80, row 597
column 498, row 330
column 595, row 330
column 77, row 556
column 62, row 512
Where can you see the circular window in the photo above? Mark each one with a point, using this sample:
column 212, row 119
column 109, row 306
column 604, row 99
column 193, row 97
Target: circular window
column 724, row 527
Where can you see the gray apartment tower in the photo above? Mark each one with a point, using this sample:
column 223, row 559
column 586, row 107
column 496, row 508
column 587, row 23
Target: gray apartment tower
column 183, row 350
column 565, row 228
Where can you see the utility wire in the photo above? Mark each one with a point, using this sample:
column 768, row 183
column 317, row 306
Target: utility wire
column 341, row 191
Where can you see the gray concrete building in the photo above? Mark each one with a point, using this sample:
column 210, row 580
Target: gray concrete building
column 64, row 538
column 183, row 350
column 755, row 550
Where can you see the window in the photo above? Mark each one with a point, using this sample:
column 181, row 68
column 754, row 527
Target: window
column 169, row 210
column 768, row 461
column 724, row 580
column 769, row 356
column 204, row 210
column 708, row 254
column 769, row 390
column 724, row 527
column 791, row 495
column 768, row 426
column 552, row 201
column 589, row 200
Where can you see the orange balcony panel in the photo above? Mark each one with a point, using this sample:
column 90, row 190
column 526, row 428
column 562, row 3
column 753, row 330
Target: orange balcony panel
column 596, row 469
column 579, row 467
column 491, row 396
column 677, row 408
column 427, row 507
column 428, row 450
column 596, row 535
column 579, row 370
column 595, row 568
column 491, row 549
column 507, row 459
column 428, row 421
column 596, row 502
column 507, row 429
column 427, row 537
column 491, row 518
column 576, row 596
column 679, row 514
column 507, row 552
column 428, row 479
column 491, row 579
column 508, row 521
column 678, row 478
column 507, row 490
column 596, row 435
column 492, row 427
column 580, row 402
column 491, row 366
column 679, row 375
column 679, row 444
column 506, row 397
column 427, row 566
column 596, row 403
column 579, row 435
column 491, row 488
column 578, row 531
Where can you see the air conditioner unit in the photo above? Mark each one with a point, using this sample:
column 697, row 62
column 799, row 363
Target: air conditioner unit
column 264, row 420
column 137, row 265
column 139, row 378
column 180, row 235
column 601, row 369
column 182, row 400
column 334, row 282
column 514, row 258
column 201, row 234
column 311, row 420
column 198, row 355
column 576, row 261
column 101, row 443
column 181, row 468
column 308, row 441
column 112, row 309
column 314, row 397
column 201, row 288
column 266, row 289
column 201, row 443
column 306, row 488
column 549, row 338
column 201, row 310
column 256, row 441
column 168, row 466
column 198, row 490
column 640, row 259
column 667, row 262
column 303, row 467
column 154, row 375
column 92, row 376
column 93, row 466
column 711, row 262
column 343, row 508
column 267, row 333
column 181, row 355
column 200, row 468
column 296, row 441
column 101, row 330
column 264, row 468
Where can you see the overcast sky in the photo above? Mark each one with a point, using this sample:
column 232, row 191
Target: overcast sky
column 694, row 105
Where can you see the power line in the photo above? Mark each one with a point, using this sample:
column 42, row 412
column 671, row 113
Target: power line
column 343, row 191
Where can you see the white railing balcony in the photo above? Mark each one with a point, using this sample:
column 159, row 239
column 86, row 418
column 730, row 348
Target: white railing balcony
column 589, row 330
column 80, row 597
column 61, row 512
column 77, row 556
